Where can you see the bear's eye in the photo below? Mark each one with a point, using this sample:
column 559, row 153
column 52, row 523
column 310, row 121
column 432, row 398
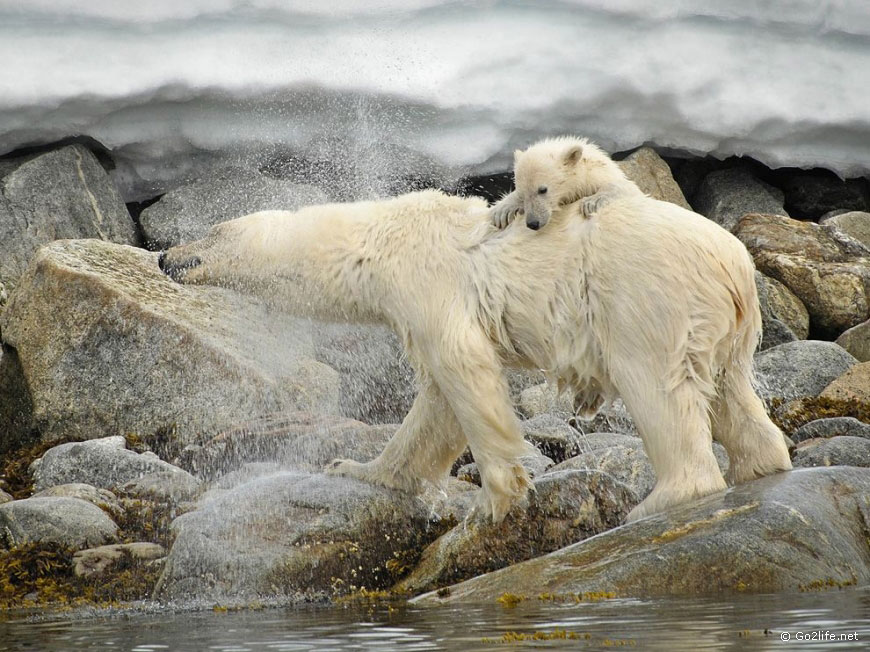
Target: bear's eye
column 542, row 190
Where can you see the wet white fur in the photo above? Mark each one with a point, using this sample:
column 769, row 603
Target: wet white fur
column 644, row 300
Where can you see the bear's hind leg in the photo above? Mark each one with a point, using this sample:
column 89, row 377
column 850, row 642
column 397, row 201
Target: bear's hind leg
column 675, row 428
column 423, row 448
column 755, row 445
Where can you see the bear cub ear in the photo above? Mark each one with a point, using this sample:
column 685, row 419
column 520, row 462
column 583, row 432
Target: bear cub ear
column 517, row 154
column 573, row 155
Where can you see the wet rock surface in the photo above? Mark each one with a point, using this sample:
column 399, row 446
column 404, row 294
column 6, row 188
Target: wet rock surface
column 95, row 561
column 802, row 530
column 65, row 521
column 293, row 533
column 301, row 440
column 564, row 508
column 103, row 463
column 108, row 344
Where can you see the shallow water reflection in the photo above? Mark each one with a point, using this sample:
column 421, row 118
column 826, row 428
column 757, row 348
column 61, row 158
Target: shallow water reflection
column 744, row 623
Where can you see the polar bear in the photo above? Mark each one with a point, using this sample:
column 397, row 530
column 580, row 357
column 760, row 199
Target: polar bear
column 643, row 300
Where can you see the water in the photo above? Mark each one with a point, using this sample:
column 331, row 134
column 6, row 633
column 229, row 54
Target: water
column 744, row 623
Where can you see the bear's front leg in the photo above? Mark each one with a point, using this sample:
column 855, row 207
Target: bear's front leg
column 465, row 365
column 505, row 210
column 423, row 448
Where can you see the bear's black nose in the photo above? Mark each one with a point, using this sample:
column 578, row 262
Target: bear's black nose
column 534, row 225
column 176, row 269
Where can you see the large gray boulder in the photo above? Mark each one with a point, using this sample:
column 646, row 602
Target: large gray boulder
column 292, row 534
column 108, row 344
column 801, row 368
column 564, row 508
column 59, row 194
column 103, row 463
column 188, row 212
column 70, row 522
column 802, row 530
column 725, row 196
column 377, row 383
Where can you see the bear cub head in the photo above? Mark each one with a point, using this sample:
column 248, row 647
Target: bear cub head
column 557, row 172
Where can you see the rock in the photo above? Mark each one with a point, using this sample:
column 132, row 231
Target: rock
column 827, row 273
column 377, row 383
column 610, row 418
column 70, row 522
column 544, row 399
column 163, row 486
column 95, row 561
column 802, row 368
column 187, row 213
column 108, row 344
column 725, row 196
column 853, row 384
column 535, row 465
column 653, row 176
column 553, row 436
column 16, row 406
column 58, row 194
column 803, row 530
column 854, row 224
column 104, row 463
column 831, row 427
column 564, row 508
column 300, row 440
column 5, row 498
column 780, row 303
column 856, row 341
column 292, row 534
column 453, row 502
column 628, row 465
column 836, row 451
column 102, row 498
column 813, row 193
column 598, row 440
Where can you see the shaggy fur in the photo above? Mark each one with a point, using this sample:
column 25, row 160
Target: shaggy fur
column 644, row 300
